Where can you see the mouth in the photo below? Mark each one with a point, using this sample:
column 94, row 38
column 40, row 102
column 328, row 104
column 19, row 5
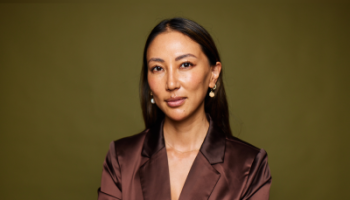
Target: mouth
column 175, row 102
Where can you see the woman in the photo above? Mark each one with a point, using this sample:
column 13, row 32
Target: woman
column 187, row 150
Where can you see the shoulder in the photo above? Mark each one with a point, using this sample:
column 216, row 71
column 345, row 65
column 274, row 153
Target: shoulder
column 241, row 145
column 129, row 145
column 243, row 152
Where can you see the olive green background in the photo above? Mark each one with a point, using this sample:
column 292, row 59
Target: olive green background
column 69, row 77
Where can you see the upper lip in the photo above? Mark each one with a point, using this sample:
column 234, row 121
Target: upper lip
column 174, row 99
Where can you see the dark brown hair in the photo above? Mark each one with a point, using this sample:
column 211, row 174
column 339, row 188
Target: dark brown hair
column 217, row 106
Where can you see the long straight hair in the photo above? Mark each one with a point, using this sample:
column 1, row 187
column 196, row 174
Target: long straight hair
column 217, row 106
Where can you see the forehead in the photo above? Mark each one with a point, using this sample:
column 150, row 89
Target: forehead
column 173, row 43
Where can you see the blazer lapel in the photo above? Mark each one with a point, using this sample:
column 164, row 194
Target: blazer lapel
column 154, row 173
column 203, row 177
column 200, row 181
column 154, row 176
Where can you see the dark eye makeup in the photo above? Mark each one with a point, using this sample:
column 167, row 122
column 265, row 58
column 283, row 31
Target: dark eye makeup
column 186, row 65
column 156, row 68
column 183, row 65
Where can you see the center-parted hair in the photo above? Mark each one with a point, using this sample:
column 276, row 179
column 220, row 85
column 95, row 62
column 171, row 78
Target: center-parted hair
column 217, row 106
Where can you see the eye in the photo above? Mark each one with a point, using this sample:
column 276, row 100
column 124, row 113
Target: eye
column 156, row 68
column 186, row 65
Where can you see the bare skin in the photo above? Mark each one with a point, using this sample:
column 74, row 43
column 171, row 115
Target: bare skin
column 182, row 148
column 179, row 75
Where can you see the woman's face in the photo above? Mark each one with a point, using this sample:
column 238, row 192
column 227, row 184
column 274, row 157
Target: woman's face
column 179, row 75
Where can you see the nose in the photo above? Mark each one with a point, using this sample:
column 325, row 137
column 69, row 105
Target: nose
column 172, row 82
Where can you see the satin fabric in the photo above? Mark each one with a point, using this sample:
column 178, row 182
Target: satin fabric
column 225, row 168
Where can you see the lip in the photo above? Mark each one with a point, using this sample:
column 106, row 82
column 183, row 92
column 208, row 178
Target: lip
column 175, row 102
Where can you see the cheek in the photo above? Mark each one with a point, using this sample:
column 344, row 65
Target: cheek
column 154, row 83
column 196, row 81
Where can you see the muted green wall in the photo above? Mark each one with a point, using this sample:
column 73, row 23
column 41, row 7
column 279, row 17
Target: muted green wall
column 69, row 85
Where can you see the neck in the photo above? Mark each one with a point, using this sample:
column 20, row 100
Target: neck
column 186, row 135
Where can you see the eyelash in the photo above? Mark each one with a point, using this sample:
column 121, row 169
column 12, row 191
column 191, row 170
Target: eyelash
column 154, row 69
column 190, row 64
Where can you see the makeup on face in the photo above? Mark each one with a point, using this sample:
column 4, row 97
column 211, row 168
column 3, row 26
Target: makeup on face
column 178, row 74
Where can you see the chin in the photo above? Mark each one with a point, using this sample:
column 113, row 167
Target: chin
column 176, row 114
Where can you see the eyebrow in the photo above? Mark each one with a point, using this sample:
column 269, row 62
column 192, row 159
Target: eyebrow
column 184, row 56
column 176, row 59
column 155, row 60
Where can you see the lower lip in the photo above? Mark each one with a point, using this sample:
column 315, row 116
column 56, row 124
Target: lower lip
column 176, row 103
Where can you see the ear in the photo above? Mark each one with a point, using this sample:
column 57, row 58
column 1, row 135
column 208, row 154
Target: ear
column 215, row 72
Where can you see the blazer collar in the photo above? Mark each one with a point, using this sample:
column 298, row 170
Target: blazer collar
column 213, row 147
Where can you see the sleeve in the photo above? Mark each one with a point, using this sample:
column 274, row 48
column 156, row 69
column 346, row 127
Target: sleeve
column 259, row 179
column 111, row 177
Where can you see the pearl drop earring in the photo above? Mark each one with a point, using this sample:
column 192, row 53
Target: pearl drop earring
column 211, row 93
column 152, row 99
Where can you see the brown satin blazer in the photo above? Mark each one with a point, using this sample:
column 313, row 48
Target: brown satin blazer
column 225, row 168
